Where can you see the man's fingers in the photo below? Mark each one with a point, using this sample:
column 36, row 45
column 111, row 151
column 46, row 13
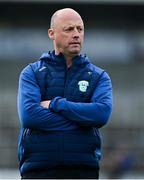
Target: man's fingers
column 45, row 104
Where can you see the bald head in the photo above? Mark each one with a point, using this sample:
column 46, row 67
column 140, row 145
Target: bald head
column 66, row 12
column 67, row 32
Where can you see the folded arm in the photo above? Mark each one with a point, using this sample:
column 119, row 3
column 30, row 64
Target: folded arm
column 96, row 113
column 31, row 112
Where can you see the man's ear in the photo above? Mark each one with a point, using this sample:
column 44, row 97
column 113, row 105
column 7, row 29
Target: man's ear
column 51, row 34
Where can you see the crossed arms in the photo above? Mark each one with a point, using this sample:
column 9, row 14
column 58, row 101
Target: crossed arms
column 58, row 112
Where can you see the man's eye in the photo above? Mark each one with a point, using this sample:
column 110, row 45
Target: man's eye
column 69, row 29
column 80, row 29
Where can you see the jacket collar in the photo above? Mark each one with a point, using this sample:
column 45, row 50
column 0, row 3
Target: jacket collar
column 60, row 59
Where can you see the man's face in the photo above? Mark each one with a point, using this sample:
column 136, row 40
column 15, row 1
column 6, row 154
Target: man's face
column 69, row 34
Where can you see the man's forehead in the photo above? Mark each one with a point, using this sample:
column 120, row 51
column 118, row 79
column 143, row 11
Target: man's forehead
column 67, row 22
column 72, row 24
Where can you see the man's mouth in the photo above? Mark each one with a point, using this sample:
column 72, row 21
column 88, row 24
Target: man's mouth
column 74, row 43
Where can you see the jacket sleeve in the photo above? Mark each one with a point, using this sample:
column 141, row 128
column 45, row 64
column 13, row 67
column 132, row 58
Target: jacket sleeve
column 31, row 114
column 95, row 113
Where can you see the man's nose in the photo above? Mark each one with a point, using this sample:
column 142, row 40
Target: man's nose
column 76, row 33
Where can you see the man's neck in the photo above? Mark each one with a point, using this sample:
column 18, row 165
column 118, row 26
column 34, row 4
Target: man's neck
column 68, row 58
column 69, row 62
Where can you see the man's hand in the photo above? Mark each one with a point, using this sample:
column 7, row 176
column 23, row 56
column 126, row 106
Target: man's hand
column 45, row 104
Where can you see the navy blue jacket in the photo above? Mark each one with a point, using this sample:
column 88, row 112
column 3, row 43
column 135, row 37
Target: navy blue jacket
column 68, row 132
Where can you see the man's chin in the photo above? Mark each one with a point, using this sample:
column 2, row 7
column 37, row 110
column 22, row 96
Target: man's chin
column 75, row 52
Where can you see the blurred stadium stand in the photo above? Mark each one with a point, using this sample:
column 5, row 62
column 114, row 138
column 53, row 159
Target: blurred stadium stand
column 114, row 40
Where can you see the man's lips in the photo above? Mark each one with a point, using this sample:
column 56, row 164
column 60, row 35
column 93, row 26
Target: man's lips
column 74, row 43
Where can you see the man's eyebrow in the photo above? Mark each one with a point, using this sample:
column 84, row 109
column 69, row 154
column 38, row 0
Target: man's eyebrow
column 72, row 26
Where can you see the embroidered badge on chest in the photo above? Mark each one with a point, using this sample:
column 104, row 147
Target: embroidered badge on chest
column 83, row 85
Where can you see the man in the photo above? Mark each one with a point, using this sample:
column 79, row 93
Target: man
column 63, row 100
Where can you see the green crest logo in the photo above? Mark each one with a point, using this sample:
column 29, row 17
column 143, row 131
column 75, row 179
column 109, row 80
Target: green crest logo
column 83, row 85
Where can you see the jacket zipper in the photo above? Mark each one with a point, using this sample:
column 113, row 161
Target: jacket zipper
column 67, row 73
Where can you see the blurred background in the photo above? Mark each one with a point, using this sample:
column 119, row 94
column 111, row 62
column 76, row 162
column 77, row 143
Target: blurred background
column 114, row 40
